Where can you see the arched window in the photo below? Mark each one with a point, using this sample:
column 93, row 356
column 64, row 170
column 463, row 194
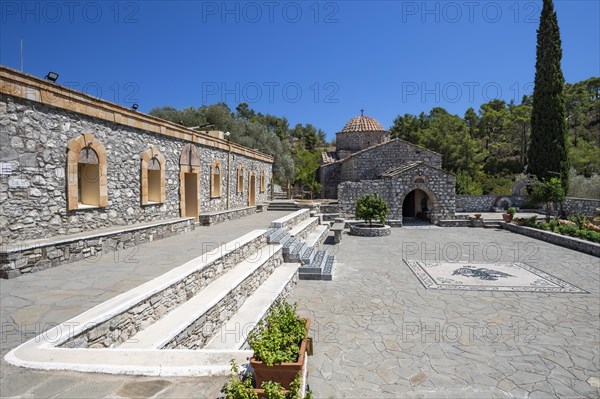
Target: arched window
column 262, row 181
column 215, row 179
column 86, row 173
column 240, row 179
column 152, row 177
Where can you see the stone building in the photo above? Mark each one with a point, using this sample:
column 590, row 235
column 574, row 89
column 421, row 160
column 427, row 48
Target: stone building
column 71, row 163
column 408, row 177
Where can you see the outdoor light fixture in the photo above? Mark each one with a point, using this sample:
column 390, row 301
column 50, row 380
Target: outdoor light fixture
column 134, row 107
column 181, row 122
column 51, row 76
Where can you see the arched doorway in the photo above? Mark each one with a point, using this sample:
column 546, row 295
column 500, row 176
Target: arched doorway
column 416, row 206
column 189, row 181
column 252, row 190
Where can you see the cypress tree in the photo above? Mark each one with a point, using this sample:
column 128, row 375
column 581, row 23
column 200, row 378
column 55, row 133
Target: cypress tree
column 548, row 151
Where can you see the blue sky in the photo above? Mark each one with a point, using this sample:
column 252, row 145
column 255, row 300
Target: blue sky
column 313, row 62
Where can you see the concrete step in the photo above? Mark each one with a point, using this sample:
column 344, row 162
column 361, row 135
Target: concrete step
column 304, row 228
column 320, row 269
column 297, row 253
column 309, row 255
column 233, row 334
column 317, row 265
column 289, row 246
column 329, row 217
column 317, row 236
column 165, row 330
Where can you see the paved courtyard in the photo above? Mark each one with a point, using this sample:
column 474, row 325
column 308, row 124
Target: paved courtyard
column 378, row 332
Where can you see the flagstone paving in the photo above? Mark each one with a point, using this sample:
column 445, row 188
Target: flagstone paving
column 378, row 332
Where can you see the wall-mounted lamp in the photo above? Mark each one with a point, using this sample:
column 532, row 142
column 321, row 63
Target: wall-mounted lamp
column 51, row 76
column 134, row 107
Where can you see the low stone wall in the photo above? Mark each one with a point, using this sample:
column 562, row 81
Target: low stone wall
column 486, row 203
column 584, row 206
column 212, row 218
column 36, row 255
column 576, row 244
column 199, row 333
column 364, row 231
column 120, row 328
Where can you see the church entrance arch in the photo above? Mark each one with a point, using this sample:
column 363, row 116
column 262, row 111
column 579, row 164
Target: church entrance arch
column 417, row 205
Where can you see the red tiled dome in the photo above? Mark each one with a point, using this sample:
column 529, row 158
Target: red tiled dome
column 363, row 123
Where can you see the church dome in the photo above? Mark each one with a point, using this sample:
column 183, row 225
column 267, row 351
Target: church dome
column 363, row 123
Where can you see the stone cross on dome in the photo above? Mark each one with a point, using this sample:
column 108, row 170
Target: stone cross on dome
column 362, row 111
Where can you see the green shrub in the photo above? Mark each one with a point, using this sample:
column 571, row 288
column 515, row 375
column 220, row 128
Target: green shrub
column 531, row 222
column 372, row 207
column 239, row 387
column 511, row 211
column 568, row 229
column 277, row 338
column 274, row 390
column 589, row 235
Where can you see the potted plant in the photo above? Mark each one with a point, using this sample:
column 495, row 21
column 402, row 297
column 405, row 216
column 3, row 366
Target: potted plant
column 240, row 387
column 509, row 215
column 279, row 345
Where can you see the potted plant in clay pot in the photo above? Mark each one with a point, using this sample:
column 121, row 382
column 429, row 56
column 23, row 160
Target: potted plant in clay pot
column 239, row 386
column 279, row 343
column 509, row 215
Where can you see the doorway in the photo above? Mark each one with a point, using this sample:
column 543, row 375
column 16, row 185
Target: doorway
column 191, row 195
column 416, row 205
column 252, row 190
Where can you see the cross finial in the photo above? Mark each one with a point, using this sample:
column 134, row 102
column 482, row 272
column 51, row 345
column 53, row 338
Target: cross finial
column 362, row 111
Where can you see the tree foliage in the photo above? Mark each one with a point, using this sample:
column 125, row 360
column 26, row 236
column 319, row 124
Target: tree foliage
column 372, row 207
column 548, row 152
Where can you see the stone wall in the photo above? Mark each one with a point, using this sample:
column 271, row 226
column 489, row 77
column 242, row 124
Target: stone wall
column 212, row 218
column 439, row 187
column 487, row 203
column 369, row 164
column 121, row 327
column 581, row 206
column 35, row 256
column 33, row 144
column 330, row 178
column 574, row 243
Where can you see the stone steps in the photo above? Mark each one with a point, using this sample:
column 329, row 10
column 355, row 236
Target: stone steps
column 304, row 228
column 173, row 330
column 318, row 235
column 320, row 269
column 233, row 334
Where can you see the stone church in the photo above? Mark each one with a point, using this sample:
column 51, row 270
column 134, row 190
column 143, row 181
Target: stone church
column 410, row 178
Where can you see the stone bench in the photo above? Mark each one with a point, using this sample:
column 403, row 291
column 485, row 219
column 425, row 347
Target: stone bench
column 216, row 217
column 337, row 229
column 35, row 255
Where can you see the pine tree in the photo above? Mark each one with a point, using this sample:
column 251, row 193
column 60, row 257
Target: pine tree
column 548, row 151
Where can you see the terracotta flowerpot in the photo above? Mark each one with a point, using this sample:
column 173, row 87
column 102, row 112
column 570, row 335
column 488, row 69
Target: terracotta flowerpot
column 283, row 373
column 507, row 217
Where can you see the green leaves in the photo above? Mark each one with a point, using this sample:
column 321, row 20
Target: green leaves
column 277, row 338
column 372, row 207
